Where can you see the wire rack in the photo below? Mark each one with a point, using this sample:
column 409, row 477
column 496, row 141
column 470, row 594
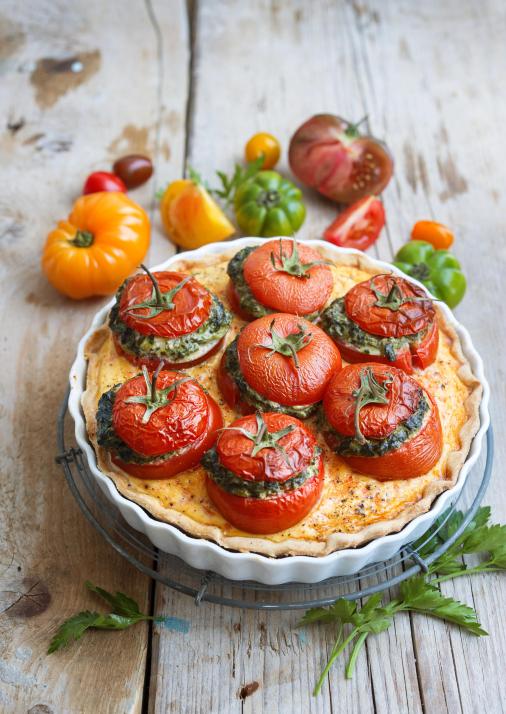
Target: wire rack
column 208, row 586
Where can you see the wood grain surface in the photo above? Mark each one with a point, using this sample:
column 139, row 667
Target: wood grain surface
column 190, row 82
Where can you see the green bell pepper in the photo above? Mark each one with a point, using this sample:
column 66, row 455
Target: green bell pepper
column 438, row 270
column 268, row 205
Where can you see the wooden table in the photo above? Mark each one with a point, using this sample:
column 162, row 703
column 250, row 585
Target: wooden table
column 85, row 82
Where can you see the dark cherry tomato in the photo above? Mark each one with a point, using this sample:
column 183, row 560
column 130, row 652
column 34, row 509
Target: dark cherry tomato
column 192, row 305
column 329, row 154
column 103, row 181
column 359, row 225
column 417, row 455
column 133, row 170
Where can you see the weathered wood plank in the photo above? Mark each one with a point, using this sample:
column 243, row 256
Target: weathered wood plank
column 58, row 125
column 428, row 86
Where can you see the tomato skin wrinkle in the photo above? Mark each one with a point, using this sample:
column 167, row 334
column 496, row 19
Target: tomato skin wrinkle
column 171, row 427
column 276, row 376
column 280, row 291
column 192, row 305
column 410, row 318
column 359, row 226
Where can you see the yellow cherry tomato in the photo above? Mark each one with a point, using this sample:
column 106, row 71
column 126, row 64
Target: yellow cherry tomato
column 438, row 235
column 264, row 145
column 190, row 216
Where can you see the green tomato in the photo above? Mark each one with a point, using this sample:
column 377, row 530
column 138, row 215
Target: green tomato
column 438, row 270
column 268, row 205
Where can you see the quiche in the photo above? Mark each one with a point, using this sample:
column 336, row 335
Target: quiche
column 352, row 508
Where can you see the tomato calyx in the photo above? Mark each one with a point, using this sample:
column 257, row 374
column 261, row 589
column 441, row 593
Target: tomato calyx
column 287, row 345
column 292, row 264
column 82, row 239
column 264, row 439
column 158, row 302
column 394, row 299
column 154, row 399
column 369, row 392
column 352, row 128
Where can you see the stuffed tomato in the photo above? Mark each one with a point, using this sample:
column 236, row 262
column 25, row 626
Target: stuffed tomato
column 382, row 422
column 265, row 473
column 279, row 363
column 155, row 426
column 167, row 316
column 385, row 319
column 280, row 275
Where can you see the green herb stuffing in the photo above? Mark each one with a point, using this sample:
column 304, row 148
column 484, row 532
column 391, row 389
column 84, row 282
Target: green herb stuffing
column 247, row 301
column 108, row 439
column 254, row 398
column 231, row 483
column 353, row 446
column 177, row 349
column 418, row 594
column 336, row 323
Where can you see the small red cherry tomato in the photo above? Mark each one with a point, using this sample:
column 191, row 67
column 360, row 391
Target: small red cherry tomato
column 133, row 170
column 103, row 181
column 438, row 235
column 359, row 225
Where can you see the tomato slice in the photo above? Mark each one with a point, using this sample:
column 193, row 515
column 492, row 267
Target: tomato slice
column 267, row 515
column 362, row 306
column 181, row 462
column 281, row 291
column 289, row 379
column 235, row 305
column 153, row 362
column 192, row 305
column 359, row 225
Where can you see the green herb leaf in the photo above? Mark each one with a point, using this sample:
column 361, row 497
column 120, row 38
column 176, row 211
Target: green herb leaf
column 120, row 603
column 229, row 185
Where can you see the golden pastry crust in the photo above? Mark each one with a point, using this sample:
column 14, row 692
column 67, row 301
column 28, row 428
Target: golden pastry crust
column 354, row 509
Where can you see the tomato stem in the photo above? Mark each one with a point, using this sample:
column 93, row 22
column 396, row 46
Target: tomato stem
column 369, row 392
column 292, row 264
column 289, row 345
column 264, row 439
column 82, row 239
column 158, row 302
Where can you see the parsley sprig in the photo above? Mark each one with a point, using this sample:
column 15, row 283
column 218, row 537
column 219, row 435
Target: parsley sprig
column 125, row 613
column 420, row 593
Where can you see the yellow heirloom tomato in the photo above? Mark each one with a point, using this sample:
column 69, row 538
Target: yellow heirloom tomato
column 191, row 217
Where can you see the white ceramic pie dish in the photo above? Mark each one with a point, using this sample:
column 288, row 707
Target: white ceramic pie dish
column 206, row 555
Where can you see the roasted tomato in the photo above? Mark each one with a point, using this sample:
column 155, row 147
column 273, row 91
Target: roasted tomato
column 359, row 226
column 382, row 422
column 157, row 426
column 384, row 319
column 279, row 275
column 265, row 472
column 329, row 154
column 279, row 362
column 168, row 316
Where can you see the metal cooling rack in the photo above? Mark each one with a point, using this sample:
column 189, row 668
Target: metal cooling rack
column 207, row 586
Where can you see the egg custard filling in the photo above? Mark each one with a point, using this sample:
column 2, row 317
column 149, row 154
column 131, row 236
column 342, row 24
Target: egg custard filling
column 353, row 506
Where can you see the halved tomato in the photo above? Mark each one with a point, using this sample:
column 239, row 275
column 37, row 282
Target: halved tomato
column 369, row 403
column 261, row 451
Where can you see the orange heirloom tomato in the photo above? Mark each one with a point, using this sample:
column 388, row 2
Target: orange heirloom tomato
column 190, row 216
column 438, row 235
column 104, row 238
column 264, row 145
